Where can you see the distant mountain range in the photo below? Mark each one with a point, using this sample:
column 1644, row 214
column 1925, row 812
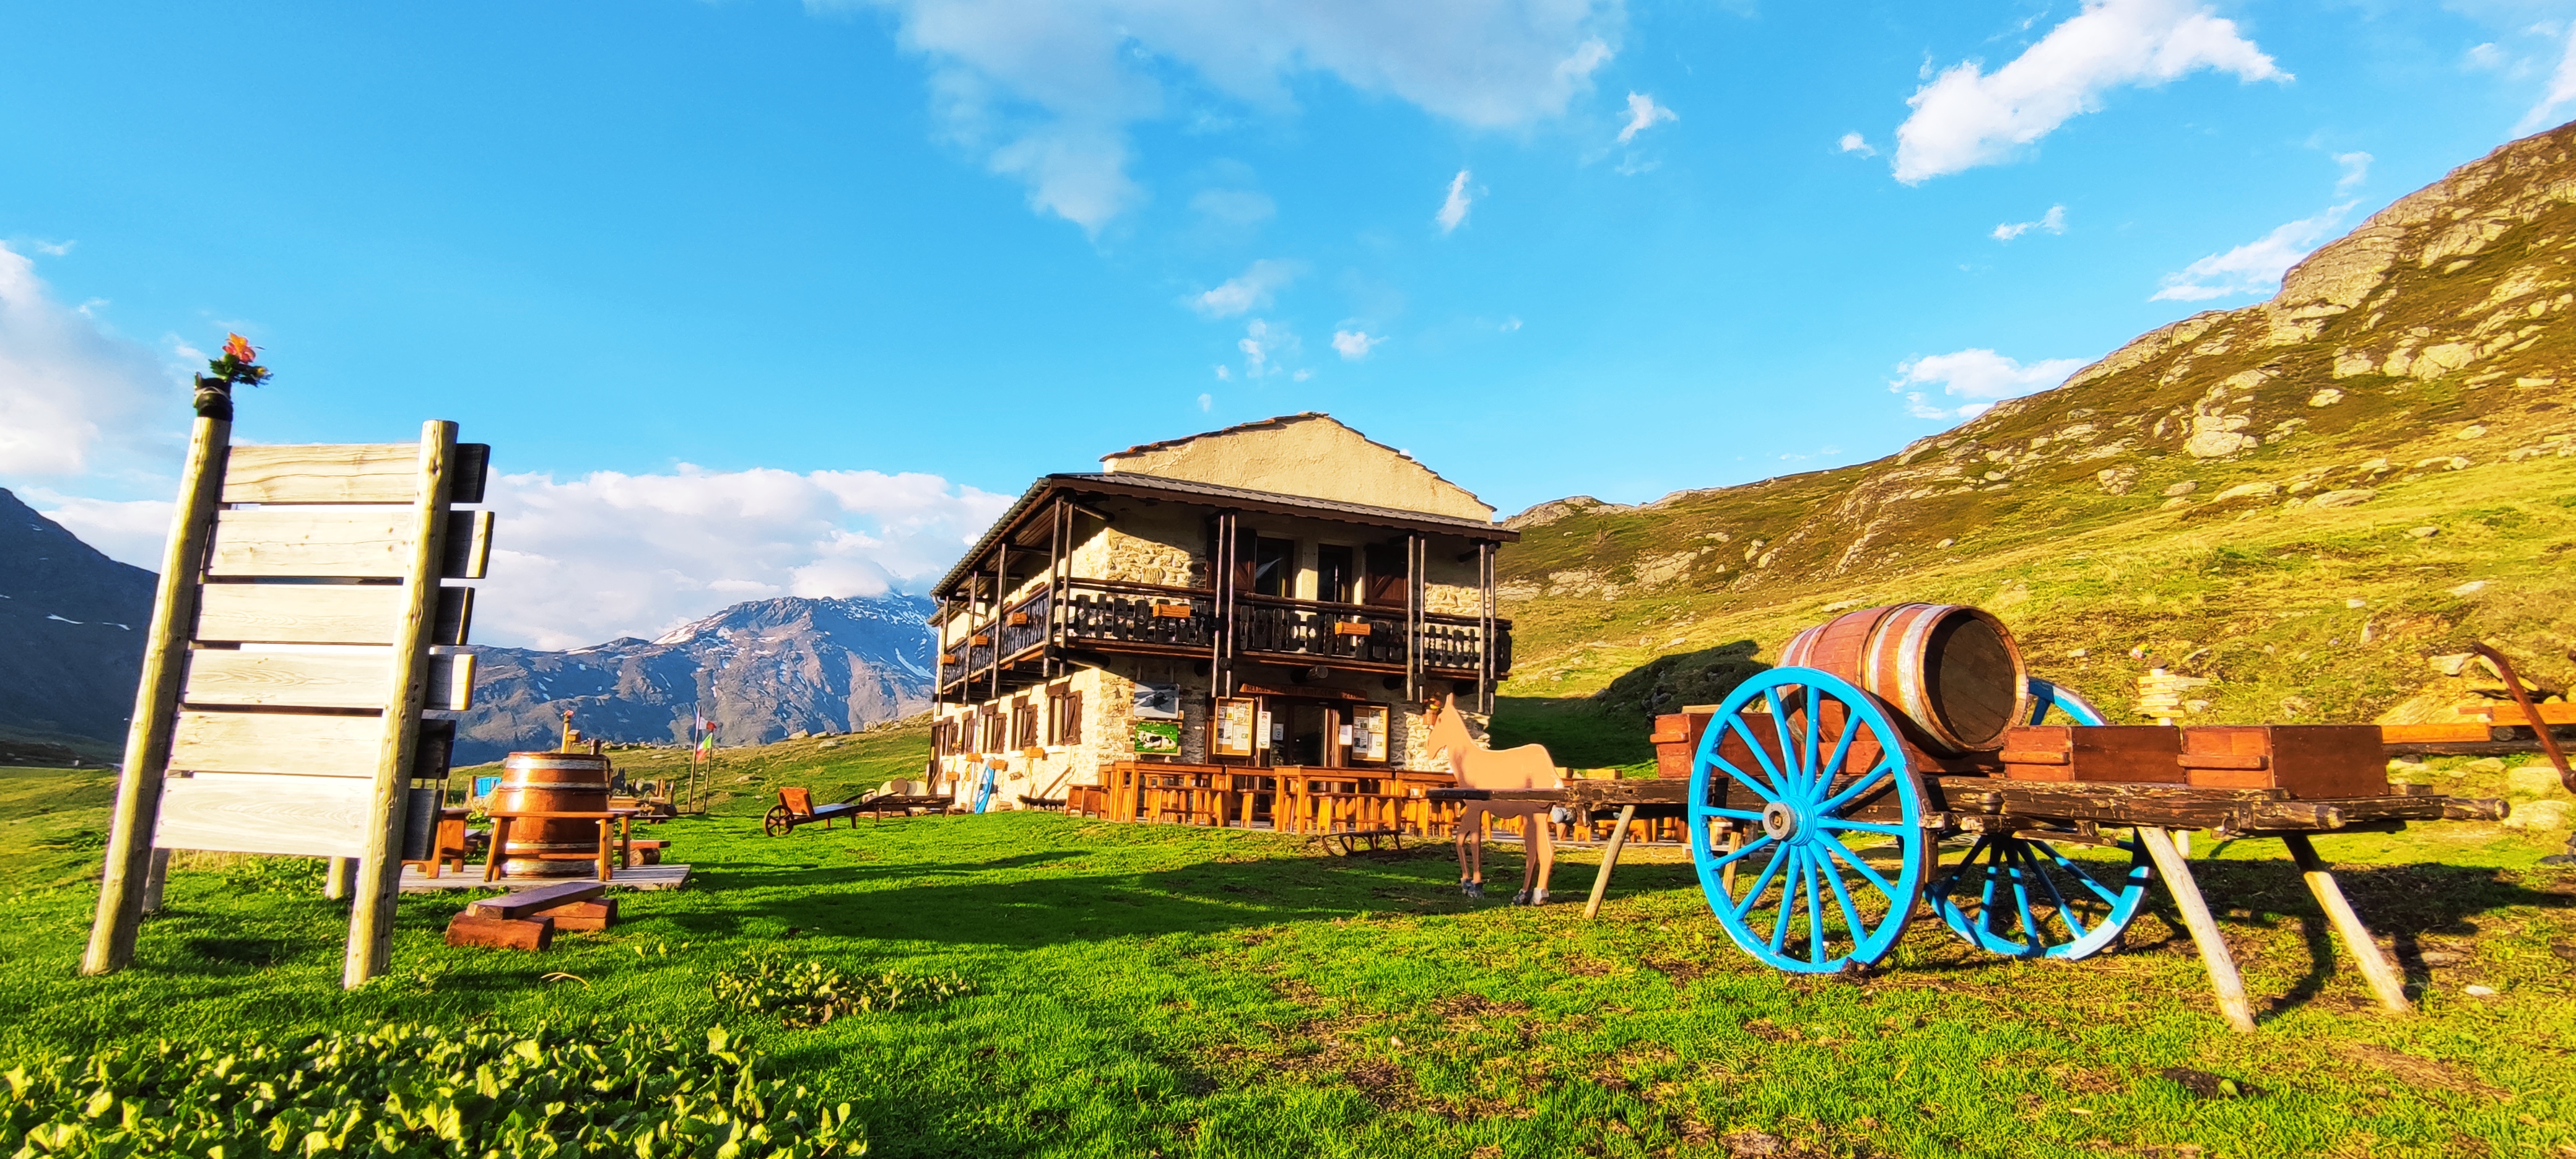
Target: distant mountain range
column 762, row 671
column 71, row 640
column 72, row 623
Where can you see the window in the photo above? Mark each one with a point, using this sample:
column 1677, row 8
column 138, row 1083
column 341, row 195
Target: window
column 1336, row 581
column 1274, row 566
column 1064, row 716
column 1024, row 724
column 993, row 741
column 1386, row 574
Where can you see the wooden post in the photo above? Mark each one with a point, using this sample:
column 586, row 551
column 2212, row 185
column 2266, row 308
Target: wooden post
column 2385, row 981
column 339, row 878
column 154, row 879
column 156, row 701
column 1609, row 859
column 371, row 917
column 2204, row 929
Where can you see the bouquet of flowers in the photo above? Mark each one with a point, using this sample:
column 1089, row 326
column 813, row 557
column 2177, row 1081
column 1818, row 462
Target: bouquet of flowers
column 239, row 364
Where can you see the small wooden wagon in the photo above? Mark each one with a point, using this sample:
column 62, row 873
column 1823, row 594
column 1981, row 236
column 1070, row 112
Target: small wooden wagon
column 1901, row 756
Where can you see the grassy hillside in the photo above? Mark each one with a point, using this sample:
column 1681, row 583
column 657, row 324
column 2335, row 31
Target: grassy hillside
column 745, row 780
column 2302, row 501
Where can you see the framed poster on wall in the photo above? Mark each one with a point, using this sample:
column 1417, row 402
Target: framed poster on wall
column 1368, row 732
column 1158, row 701
column 1234, row 728
column 1158, row 738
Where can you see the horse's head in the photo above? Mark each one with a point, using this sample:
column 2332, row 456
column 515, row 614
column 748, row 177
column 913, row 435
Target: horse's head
column 1448, row 730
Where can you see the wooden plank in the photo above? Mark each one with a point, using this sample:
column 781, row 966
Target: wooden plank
column 265, row 813
column 536, row 901
column 2509, row 713
column 2224, row 981
column 2461, row 732
column 471, row 929
column 351, row 679
column 469, row 545
column 468, row 471
column 276, row 742
column 276, row 613
column 311, row 541
column 323, row 473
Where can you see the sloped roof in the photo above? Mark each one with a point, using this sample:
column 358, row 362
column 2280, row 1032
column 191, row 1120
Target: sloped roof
column 1276, row 422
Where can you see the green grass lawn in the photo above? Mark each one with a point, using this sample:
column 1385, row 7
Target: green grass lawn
column 1161, row 990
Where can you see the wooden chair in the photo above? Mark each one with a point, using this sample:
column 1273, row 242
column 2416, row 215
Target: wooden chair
column 448, row 845
column 796, row 807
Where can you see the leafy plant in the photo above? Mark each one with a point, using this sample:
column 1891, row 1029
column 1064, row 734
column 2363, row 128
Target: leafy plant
column 810, row 993
column 402, row 1090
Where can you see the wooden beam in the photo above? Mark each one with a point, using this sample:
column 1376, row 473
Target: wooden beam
column 265, row 813
column 469, row 548
column 275, row 613
column 1609, row 857
column 343, row 679
column 371, row 918
column 156, row 698
column 2385, row 981
column 530, row 902
column 2214, row 955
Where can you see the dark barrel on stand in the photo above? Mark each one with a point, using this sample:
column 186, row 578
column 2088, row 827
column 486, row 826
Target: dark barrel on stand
column 1952, row 673
column 552, row 783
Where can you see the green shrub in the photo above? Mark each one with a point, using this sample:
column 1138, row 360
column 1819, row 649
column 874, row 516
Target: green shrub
column 811, row 993
column 400, row 1090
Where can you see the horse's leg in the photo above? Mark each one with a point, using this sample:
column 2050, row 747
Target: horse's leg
column 1543, row 840
column 1470, row 839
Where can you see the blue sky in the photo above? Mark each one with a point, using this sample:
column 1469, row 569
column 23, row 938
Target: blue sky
column 758, row 298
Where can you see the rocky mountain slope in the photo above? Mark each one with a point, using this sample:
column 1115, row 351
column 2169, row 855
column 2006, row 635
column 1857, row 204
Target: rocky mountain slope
column 71, row 640
column 763, row 671
column 2301, row 500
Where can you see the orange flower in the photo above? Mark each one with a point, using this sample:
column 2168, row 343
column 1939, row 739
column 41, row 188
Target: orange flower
column 240, row 348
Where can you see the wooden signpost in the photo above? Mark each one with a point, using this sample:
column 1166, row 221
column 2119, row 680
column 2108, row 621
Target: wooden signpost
column 288, row 664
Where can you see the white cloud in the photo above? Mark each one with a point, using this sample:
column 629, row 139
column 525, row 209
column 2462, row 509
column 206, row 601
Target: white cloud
column 1248, row 291
column 2486, row 57
column 2255, row 267
column 1355, row 344
column 610, row 554
column 2054, row 221
column 1980, row 376
column 1643, row 114
column 132, row 531
column 1509, row 325
column 2562, row 89
column 1207, row 402
column 1453, row 209
column 1301, row 376
column 2356, row 169
column 74, row 398
column 1966, row 117
column 1224, row 373
column 1255, row 346
column 1234, row 207
column 1045, row 90
column 1855, row 143
column 53, row 249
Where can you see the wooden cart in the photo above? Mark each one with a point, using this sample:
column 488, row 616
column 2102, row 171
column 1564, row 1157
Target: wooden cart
column 1819, row 827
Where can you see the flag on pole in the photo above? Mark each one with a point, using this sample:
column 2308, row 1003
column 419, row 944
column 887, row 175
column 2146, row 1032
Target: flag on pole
column 707, row 744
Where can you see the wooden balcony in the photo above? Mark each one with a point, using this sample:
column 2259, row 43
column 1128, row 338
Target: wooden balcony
column 1104, row 616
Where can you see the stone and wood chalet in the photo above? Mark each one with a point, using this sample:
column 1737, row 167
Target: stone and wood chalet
column 1216, row 617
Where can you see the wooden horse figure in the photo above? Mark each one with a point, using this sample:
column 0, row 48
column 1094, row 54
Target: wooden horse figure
column 1478, row 767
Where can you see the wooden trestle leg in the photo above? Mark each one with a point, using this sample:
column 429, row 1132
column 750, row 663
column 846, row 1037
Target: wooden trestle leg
column 1609, row 858
column 2385, row 981
column 2214, row 957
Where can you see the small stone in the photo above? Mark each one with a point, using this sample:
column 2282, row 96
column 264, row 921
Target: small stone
column 2185, row 487
column 2475, row 991
column 2535, row 382
column 2352, row 497
column 2470, row 588
column 2488, row 766
column 2076, row 653
column 2356, row 603
column 2401, row 767
column 1945, row 543
column 2374, row 467
column 2327, row 397
column 2170, row 504
column 2472, row 431
column 2425, row 532
column 2538, row 816
column 2256, row 490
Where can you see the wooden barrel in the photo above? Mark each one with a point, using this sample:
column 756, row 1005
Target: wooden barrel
column 552, row 783
column 1952, row 673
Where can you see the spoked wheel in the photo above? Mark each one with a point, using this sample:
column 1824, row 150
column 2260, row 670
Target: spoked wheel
column 1808, row 771
column 779, row 822
column 2018, row 895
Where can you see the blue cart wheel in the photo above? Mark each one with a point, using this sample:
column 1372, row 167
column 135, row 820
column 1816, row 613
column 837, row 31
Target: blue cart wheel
column 1808, row 773
column 2021, row 897
column 2069, row 703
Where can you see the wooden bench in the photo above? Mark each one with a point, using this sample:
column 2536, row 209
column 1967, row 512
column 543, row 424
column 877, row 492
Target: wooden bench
column 643, row 851
column 527, row 919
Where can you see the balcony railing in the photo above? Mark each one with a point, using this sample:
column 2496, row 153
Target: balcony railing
column 1113, row 616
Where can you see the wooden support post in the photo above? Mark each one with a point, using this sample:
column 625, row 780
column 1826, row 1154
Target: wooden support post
column 154, row 879
column 2385, row 981
column 2214, row 957
column 1609, row 859
column 371, row 916
column 156, row 701
column 342, row 874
